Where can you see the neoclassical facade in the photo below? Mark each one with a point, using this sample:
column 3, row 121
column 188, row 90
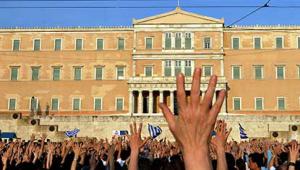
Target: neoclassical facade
column 129, row 70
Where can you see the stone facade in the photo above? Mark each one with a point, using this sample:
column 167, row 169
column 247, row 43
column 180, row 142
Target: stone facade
column 127, row 71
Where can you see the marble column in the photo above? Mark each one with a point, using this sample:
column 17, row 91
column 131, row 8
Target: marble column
column 140, row 102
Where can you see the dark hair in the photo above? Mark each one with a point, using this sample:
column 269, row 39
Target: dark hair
column 230, row 161
column 240, row 163
column 256, row 158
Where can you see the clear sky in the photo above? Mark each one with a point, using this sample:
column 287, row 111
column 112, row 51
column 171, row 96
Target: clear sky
column 116, row 12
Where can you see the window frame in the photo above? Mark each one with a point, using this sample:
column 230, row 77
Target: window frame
column 146, row 43
column 116, row 103
column 284, row 100
column 97, row 44
column 207, row 66
column 118, row 45
column 58, row 104
column 11, row 71
column 260, row 42
column 82, row 43
column 8, row 104
column 74, row 73
column 262, row 72
column 73, row 98
column 38, row 76
column 95, row 72
column 282, row 37
column 101, row 103
column 40, row 45
column 262, row 104
column 232, row 72
column 233, row 104
column 276, row 68
column 13, row 42
column 210, row 43
column 61, row 44
column 124, row 72
column 145, row 70
column 239, row 42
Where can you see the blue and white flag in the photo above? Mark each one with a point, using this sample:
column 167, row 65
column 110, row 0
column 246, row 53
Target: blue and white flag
column 72, row 133
column 243, row 134
column 154, row 131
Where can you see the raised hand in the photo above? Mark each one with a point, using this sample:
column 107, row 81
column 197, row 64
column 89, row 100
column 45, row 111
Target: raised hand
column 196, row 120
column 294, row 151
column 219, row 141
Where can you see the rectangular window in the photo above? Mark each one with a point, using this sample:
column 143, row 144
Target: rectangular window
column 57, row 44
column 98, row 73
column 149, row 42
column 281, row 103
column 188, row 68
column 237, row 103
column 177, row 67
column 79, row 44
column 76, row 104
column 258, row 72
column 35, row 71
column 168, row 41
column 257, row 43
column 37, row 45
column 120, row 72
column 298, row 40
column 56, row 73
column 207, row 71
column 236, row 72
column 77, row 73
column 168, row 68
column 121, row 44
column 16, row 45
column 236, row 43
column 259, row 103
column 188, row 41
column 279, row 42
column 207, row 43
column 178, row 41
column 12, row 104
column 54, row 104
column 148, row 71
column 98, row 103
column 280, row 72
column 34, row 104
column 298, row 71
column 14, row 73
column 100, row 44
column 119, row 104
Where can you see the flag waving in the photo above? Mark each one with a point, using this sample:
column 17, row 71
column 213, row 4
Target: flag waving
column 154, row 131
column 72, row 133
column 243, row 134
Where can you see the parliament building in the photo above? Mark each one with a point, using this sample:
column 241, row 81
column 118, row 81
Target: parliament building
column 128, row 70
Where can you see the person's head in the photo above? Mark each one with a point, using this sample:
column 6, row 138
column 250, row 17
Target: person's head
column 255, row 161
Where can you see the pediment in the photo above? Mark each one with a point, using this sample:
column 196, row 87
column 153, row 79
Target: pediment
column 178, row 16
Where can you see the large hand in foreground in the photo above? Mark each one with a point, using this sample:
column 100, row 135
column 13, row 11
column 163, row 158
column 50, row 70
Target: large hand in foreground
column 196, row 120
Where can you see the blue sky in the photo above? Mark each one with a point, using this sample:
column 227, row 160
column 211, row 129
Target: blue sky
column 107, row 13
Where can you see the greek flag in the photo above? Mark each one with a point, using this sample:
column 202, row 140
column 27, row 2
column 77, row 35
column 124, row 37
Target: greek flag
column 243, row 134
column 72, row 133
column 154, row 131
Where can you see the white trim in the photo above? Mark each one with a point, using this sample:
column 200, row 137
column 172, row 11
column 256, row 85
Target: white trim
column 276, row 68
column 58, row 104
column 101, row 103
column 116, row 103
column 97, row 43
column 74, row 68
column 145, row 40
column 12, row 46
column 40, row 44
column 276, row 42
column 207, row 66
column 151, row 70
column 210, row 43
column 11, row 67
column 81, row 44
column 95, row 72
column 37, row 102
column 61, row 44
column 73, row 103
column 262, row 72
column 233, row 108
column 263, row 103
column 240, row 45
column 120, row 78
column 297, row 42
column 298, row 66
column 8, row 103
column 240, row 70
column 261, row 42
column 284, row 99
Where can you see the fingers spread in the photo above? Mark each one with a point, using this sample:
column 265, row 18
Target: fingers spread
column 207, row 101
column 217, row 105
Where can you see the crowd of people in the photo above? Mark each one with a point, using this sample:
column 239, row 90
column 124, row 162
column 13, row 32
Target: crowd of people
column 195, row 146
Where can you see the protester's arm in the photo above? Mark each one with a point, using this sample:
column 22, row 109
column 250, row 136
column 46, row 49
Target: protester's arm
column 219, row 142
column 294, row 153
column 43, row 138
column 135, row 142
column 195, row 122
column 5, row 160
column 76, row 150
